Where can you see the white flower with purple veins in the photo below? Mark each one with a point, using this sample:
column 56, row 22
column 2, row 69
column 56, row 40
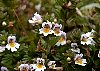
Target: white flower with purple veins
column 78, row 56
column 12, row 44
column 24, row 67
column 4, row 69
column 52, row 64
column 62, row 40
column 36, row 19
column 75, row 48
column 74, row 45
column 90, row 34
column 46, row 28
column 86, row 40
column 39, row 66
column 57, row 29
column 2, row 48
column 99, row 54
column 32, row 67
column 79, row 60
column 40, row 60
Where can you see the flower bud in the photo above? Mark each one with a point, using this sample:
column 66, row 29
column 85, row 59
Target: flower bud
column 3, row 42
column 4, row 23
column 68, row 58
column 40, row 21
column 55, row 20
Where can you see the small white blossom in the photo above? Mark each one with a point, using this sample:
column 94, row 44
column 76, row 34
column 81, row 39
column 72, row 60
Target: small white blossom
column 46, row 28
column 77, row 50
column 39, row 66
column 78, row 56
column 79, row 60
column 74, row 45
column 52, row 64
column 86, row 40
column 62, row 40
column 57, row 29
column 4, row 69
column 24, row 67
column 36, row 19
column 12, row 44
column 2, row 48
column 40, row 60
column 90, row 34
column 32, row 67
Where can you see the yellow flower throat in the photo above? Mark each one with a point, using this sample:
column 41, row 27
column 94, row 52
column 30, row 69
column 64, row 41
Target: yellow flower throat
column 79, row 61
column 39, row 66
column 56, row 30
column 46, row 30
column 12, row 44
column 61, row 39
column 84, row 40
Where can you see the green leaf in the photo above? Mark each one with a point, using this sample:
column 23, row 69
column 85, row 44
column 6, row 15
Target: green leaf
column 53, row 40
column 7, row 61
column 56, row 58
column 22, row 39
column 32, row 47
column 92, row 48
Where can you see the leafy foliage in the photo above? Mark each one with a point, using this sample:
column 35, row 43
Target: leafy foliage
column 16, row 14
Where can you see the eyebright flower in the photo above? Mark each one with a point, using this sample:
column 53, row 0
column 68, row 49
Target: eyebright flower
column 74, row 45
column 86, row 40
column 12, row 44
column 40, row 65
column 62, row 40
column 40, row 60
column 36, row 19
column 75, row 48
column 99, row 54
column 24, row 67
column 90, row 34
column 32, row 67
column 2, row 48
column 52, row 64
column 79, row 60
column 57, row 29
column 4, row 69
column 46, row 28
